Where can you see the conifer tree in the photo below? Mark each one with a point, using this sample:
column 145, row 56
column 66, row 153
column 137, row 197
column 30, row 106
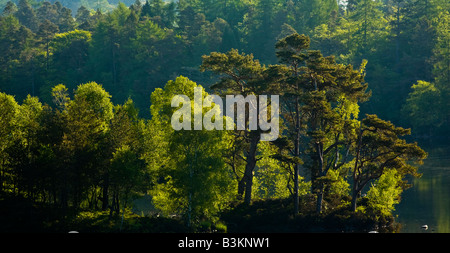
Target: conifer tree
column 27, row 15
column 241, row 75
column 379, row 148
column 10, row 9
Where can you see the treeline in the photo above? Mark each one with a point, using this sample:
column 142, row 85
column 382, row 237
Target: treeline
column 132, row 50
column 60, row 155
column 86, row 153
column 74, row 5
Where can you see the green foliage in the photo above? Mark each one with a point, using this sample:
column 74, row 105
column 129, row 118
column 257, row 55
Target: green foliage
column 338, row 185
column 26, row 15
column 127, row 174
column 423, row 106
column 69, row 55
column 28, row 115
column 60, row 96
column 322, row 104
column 92, row 105
column 385, row 193
column 84, row 143
column 8, row 109
column 62, row 41
column 442, row 49
column 379, row 149
column 8, row 112
column 195, row 181
column 134, row 50
column 271, row 178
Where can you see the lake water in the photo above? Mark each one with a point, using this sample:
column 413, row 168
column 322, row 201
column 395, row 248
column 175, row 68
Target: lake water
column 428, row 201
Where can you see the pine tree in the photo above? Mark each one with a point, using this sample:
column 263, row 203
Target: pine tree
column 242, row 75
column 146, row 9
column 46, row 32
column 321, row 108
column 83, row 16
column 27, row 15
column 47, row 11
column 65, row 21
column 291, row 51
column 10, row 9
column 380, row 148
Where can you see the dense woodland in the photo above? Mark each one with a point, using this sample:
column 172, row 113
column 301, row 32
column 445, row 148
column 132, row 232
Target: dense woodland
column 85, row 109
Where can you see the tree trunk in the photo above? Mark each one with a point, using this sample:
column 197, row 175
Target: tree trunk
column 296, row 200
column 105, row 198
column 248, row 184
column 114, row 67
column 354, row 198
column 397, row 37
column 189, row 213
column 365, row 26
column 1, row 175
column 63, row 200
column 320, row 174
column 319, row 200
column 247, row 179
column 355, row 169
column 32, row 76
column 111, row 208
column 296, row 153
column 241, row 188
column 47, row 56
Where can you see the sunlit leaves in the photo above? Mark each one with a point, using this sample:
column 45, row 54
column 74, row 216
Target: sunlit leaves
column 385, row 193
column 194, row 180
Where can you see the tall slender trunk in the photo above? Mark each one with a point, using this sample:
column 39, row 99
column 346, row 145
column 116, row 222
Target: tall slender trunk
column 296, row 182
column 254, row 138
column 296, row 153
column 296, row 143
column 355, row 171
column 189, row 214
column 319, row 150
column 114, row 68
column 105, row 197
column 32, row 76
column 46, row 57
column 241, row 188
column 2, row 175
column 319, row 199
column 111, row 208
column 64, row 188
column 354, row 196
column 191, row 178
column 365, row 26
column 250, row 166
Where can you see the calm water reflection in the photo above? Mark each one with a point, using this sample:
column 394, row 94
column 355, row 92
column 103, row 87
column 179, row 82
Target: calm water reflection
column 428, row 201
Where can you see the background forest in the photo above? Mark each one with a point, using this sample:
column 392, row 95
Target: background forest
column 85, row 107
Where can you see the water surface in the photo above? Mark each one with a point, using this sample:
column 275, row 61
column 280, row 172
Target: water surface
column 428, row 201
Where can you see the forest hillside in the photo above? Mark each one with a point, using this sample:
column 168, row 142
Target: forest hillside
column 86, row 92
